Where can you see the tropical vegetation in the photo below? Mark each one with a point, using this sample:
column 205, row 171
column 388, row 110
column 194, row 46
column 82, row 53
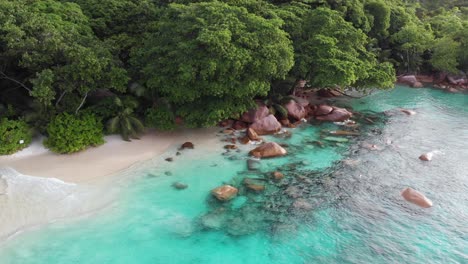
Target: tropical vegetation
column 116, row 65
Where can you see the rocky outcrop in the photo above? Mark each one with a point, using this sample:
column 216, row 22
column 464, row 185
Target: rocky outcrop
column 239, row 125
column 302, row 101
column 328, row 93
column 252, row 135
column 337, row 115
column 410, row 80
column 255, row 114
column 416, row 197
column 266, row 125
column 268, row 150
column 295, row 110
column 225, row 192
column 322, row 110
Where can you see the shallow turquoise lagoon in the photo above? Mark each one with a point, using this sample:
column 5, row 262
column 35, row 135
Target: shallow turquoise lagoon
column 358, row 215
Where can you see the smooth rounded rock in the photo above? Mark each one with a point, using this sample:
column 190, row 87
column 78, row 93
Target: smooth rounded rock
column 268, row 150
column 416, row 197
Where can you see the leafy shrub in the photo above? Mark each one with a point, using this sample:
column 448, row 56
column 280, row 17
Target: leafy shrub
column 161, row 118
column 14, row 135
column 69, row 133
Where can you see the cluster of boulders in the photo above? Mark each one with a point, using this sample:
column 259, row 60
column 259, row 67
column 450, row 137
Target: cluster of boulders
column 447, row 82
column 263, row 122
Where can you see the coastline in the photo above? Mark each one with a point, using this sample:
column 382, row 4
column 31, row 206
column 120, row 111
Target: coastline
column 97, row 162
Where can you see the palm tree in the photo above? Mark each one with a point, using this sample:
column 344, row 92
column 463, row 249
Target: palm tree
column 125, row 122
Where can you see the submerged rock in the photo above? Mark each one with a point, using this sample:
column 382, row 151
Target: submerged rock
column 302, row 204
column 179, row 185
column 277, row 175
column 266, row 125
column 169, row 159
column 214, row 220
column 253, row 164
column 268, row 150
column 225, row 192
column 416, row 197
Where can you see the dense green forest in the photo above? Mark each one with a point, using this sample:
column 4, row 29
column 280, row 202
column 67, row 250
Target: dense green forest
column 77, row 69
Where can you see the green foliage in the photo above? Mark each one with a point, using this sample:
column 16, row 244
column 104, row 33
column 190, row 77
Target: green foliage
column 124, row 121
column 162, row 118
column 412, row 40
column 50, row 45
column 445, row 53
column 14, row 136
column 215, row 56
column 379, row 16
column 71, row 133
column 332, row 52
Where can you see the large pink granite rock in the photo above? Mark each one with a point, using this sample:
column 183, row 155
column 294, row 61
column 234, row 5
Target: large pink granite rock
column 266, row 125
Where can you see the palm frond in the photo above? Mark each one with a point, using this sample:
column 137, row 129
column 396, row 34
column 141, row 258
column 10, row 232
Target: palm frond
column 113, row 124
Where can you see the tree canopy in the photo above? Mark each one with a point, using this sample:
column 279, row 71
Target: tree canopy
column 206, row 60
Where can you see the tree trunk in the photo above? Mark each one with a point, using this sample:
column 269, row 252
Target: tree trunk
column 82, row 103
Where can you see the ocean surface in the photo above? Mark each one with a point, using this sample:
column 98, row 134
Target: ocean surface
column 339, row 202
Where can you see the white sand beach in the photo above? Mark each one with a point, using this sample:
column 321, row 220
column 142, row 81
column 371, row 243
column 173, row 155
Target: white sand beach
column 95, row 162
column 38, row 187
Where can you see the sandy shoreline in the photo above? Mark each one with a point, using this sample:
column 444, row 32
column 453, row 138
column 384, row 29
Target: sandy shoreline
column 113, row 156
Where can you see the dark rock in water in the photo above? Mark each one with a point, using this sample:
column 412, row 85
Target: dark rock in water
column 225, row 192
column 169, row 159
column 253, row 164
column 179, row 185
column 178, row 153
column 230, row 147
column 151, row 175
column 168, row 173
column 277, row 175
column 187, row 145
column 253, row 186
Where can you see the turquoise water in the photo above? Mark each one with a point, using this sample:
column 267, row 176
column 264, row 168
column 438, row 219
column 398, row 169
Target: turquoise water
column 357, row 213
